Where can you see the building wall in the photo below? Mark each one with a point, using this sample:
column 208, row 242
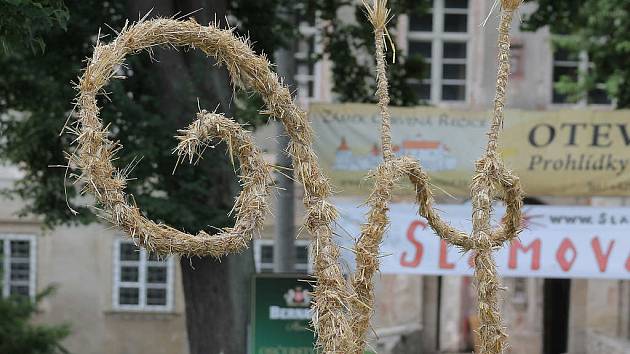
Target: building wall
column 79, row 259
column 531, row 82
column 79, row 262
column 599, row 310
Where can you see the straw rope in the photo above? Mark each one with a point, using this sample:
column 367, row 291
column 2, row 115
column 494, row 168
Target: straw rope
column 341, row 310
column 491, row 180
column 95, row 151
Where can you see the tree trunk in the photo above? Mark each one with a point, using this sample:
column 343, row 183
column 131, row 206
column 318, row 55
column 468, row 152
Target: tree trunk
column 217, row 303
column 216, row 291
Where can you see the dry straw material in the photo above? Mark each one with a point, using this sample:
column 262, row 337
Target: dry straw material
column 342, row 309
column 95, row 151
column 492, row 180
column 511, row 5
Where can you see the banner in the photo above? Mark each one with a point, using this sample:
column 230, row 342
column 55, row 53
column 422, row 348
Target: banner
column 281, row 314
column 555, row 153
column 557, row 242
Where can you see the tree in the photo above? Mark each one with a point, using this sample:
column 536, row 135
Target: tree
column 145, row 111
column 349, row 43
column 23, row 22
column 598, row 27
column 19, row 335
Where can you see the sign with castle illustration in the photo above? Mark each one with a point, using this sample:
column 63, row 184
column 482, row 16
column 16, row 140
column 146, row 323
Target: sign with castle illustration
column 561, row 153
column 434, row 155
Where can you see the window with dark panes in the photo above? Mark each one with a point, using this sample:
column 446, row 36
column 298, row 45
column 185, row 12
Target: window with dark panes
column 424, row 49
column 142, row 281
column 565, row 64
column 421, row 22
column 17, row 265
column 264, row 256
column 573, row 65
column 306, row 77
column 440, row 36
column 456, row 16
column 598, row 94
column 454, row 71
column 301, row 258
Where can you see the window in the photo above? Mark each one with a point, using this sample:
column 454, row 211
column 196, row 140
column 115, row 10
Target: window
column 307, row 68
column 17, row 265
column 264, row 253
column 573, row 65
column 441, row 37
column 142, row 281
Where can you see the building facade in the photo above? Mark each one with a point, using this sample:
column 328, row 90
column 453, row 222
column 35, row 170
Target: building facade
column 457, row 39
column 122, row 300
column 114, row 296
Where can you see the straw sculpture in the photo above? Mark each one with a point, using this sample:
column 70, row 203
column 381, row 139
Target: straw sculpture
column 492, row 180
column 341, row 309
column 95, row 151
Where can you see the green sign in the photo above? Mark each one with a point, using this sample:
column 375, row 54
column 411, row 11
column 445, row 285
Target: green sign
column 281, row 314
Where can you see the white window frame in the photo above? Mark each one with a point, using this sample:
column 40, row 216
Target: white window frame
column 583, row 64
column 142, row 264
column 6, row 259
column 267, row 242
column 437, row 37
column 302, row 80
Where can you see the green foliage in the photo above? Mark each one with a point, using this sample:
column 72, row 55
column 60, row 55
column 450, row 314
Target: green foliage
column 145, row 110
column 24, row 22
column 40, row 85
column 598, row 27
column 349, row 43
column 262, row 21
column 19, row 335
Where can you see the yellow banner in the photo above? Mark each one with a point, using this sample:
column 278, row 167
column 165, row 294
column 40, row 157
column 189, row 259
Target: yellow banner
column 555, row 153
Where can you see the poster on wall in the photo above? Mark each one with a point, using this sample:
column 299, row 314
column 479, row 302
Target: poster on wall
column 281, row 314
column 557, row 242
column 555, row 153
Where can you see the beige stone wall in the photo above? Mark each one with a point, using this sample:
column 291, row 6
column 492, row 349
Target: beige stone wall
column 522, row 308
column 78, row 261
column 599, row 343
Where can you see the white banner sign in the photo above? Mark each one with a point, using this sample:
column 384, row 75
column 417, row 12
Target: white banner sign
column 558, row 242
